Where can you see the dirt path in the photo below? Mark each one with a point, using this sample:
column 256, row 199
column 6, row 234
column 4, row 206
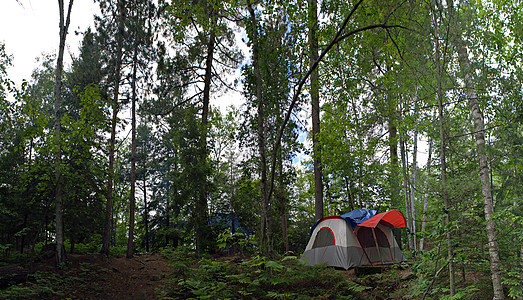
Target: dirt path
column 136, row 278
column 99, row 277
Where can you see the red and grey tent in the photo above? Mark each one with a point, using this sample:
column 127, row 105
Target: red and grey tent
column 334, row 240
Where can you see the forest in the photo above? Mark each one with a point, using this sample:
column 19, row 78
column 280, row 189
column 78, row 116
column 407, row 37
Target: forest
column 338, row 105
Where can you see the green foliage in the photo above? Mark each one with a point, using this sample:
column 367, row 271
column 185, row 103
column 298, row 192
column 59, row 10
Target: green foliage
column 255, row 277
column 236, row 241
column 513, row 281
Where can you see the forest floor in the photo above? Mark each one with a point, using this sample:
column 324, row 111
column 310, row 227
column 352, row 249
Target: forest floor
column 94, row 276
column 174, row 274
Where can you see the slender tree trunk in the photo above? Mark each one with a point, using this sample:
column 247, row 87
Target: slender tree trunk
column 393, row 149
column 349, row 192
column 64, row 27
column 426, row 197
column 479, row 129
column 445, row 192
column 201, row 200
column 413, row 183
column 340, row 35
column 443, row 162
column 146, row 211
column 412, row 197
column 265, row 224
column 315, row 99
column 479, row 135
column 130, row 238
column 283, row 205
column 106, row 242
column 406, row 195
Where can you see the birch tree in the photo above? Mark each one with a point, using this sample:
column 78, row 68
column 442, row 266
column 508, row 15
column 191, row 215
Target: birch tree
column 479, row 136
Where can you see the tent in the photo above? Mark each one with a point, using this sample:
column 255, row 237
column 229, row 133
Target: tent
column 358, row 238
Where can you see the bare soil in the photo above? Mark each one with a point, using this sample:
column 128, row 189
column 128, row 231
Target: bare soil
column 99, row 277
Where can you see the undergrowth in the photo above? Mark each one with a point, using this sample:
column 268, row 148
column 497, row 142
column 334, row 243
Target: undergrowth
column 53, row 284
column 256, row 277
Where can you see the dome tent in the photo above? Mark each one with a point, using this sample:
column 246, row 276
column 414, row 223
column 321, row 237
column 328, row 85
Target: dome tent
column 358, row 238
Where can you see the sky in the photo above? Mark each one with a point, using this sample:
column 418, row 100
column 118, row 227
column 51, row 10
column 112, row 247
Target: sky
column 30, row 27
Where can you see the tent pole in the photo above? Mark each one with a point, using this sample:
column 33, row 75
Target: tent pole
column 377, row 247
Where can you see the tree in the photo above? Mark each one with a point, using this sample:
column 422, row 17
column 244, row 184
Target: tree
column 140, row 17
column 315, row 101
column 341, row 34
column 64, row 27
column 442, row 148
column 479, row 135
column 201, row 30
column 119, row 14
column 265, row 222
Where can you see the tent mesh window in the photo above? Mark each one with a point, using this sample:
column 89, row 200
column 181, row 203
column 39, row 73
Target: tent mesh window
column 366, row 239
column 324, row 237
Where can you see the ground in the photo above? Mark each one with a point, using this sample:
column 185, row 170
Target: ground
column 176, row 274
column 97, row 277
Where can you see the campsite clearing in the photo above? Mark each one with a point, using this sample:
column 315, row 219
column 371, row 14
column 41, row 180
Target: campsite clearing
column 93, row 276
column 176, row 274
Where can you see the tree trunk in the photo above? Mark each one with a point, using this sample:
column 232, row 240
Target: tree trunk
column 426, row 198
column 442, row 156
column 443, row 164
column 265, row 224
column 394, row 186
column 479, row 134
column 64, row 26
column 406, row 190
column 283, row 206
column 146, row 210
column 130, row 238
column 201, row 199
column 349, row 192
column 315, row 100
column 413, row 184
column 106, row 242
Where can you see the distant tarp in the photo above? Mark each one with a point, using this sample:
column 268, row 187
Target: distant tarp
column 393, row 218
column 358, row 216
column 353, row 218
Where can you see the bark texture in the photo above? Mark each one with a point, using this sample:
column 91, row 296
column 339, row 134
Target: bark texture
column 315, row 100
column 64, row 26
column 406, row 190
column 443, row 164
column 426, row 197
column 412, row 185
column 265, row 224
column 201, row 199
column 479, row 135
column 393, row 149
column 130, row 238
column 106, row 242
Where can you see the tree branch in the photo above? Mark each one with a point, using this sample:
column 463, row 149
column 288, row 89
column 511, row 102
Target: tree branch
column 337, row 38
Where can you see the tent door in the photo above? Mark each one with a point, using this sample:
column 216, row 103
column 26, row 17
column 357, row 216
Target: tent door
column 375, row 245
